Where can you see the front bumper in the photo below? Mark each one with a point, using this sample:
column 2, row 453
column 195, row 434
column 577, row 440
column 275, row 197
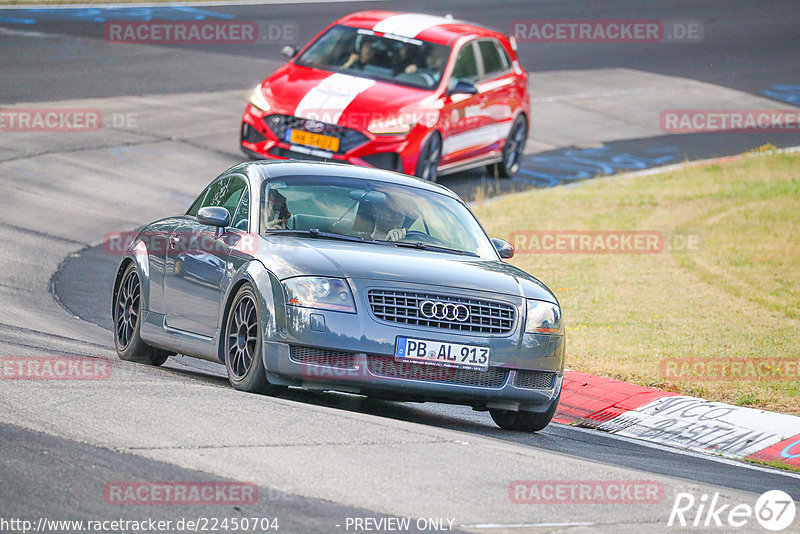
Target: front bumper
column 397, row 153
column 380, row 376
column 354, row 353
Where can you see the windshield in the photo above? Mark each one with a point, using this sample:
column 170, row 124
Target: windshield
column 387, row 57
column 372, row 211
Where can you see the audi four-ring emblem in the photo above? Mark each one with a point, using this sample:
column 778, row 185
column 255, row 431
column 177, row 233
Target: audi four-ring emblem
column 444, row 310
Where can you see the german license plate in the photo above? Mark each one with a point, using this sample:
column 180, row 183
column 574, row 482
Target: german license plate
column 440, row 353
column 325, row 142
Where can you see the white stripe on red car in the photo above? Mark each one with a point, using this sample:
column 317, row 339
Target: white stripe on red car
column 327, row 101
column 409, row 24
column 476, row 137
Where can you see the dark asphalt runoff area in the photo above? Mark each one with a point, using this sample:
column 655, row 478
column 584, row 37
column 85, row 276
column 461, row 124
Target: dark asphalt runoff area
column 60, row 480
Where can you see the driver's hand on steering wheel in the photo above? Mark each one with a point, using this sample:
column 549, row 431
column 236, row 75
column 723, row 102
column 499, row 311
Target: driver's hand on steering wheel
column 350, row 61
column 279, row 224
column 395, row 234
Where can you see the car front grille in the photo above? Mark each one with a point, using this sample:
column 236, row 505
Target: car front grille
column 485, row 316
column 328, row 358
column 386, row 366
column 250, row 134
column 348, row 137
column 535, row 380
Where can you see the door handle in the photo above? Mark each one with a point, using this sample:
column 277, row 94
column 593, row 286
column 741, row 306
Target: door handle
column 174, row 241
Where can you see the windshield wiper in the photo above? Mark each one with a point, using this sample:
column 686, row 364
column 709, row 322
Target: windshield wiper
column 436, row 248
column 315, row 232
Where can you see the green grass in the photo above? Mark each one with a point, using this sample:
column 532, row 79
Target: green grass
column 737, row 296
column 774, row 463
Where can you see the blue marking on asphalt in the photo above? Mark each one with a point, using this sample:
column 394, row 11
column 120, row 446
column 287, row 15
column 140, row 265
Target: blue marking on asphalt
column 573, row 165
column 103, row 14
column 785, row 452
column 786, row 93
column 17, row 20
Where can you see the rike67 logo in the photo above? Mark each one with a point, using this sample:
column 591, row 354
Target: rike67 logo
column 774, row 510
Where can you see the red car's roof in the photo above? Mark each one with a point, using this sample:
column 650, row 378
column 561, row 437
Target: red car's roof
column 431, row 28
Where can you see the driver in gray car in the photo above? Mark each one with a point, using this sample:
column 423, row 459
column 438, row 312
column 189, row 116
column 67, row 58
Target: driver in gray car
column 277, row 212
column 389, row 222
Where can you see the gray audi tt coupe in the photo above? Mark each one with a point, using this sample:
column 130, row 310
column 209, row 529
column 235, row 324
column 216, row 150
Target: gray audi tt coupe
column 336, row 277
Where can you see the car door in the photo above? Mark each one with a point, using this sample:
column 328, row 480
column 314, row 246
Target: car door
column 197, row 262
column 463, row 112
column 497, row 87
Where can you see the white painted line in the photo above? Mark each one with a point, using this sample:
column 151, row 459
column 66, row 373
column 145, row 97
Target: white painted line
column 526, row 525
column 26, row 33
column 584, row 96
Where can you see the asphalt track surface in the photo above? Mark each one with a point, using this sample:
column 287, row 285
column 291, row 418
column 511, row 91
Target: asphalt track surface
column 317, row 458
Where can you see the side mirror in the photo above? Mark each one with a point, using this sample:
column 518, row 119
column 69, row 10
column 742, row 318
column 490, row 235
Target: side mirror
column 504, row 248
column 463, row 87
column 214, row 216
column 288, row 52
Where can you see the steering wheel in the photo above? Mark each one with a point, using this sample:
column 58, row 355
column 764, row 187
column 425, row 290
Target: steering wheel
column 416, row 235
column 429, row 78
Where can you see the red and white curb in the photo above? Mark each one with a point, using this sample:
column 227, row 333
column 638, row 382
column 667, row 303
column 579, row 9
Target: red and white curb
column 676, row 420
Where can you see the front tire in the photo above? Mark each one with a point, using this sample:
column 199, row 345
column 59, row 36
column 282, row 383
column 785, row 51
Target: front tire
column 429, row 158
column 524, row 421
column 127, row 323
column 242, row 345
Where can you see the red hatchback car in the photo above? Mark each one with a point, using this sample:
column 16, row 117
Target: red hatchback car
column 412, row 93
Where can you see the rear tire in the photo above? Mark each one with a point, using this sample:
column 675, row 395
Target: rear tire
column 429, row 158
column 524, row 421
column 242, row 345
column 127, row 323
column 512, row 150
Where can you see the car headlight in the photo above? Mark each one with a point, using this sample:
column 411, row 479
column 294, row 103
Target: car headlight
column 394, row 126
column 318, row 292
column 542, row 317
column 258, row 100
